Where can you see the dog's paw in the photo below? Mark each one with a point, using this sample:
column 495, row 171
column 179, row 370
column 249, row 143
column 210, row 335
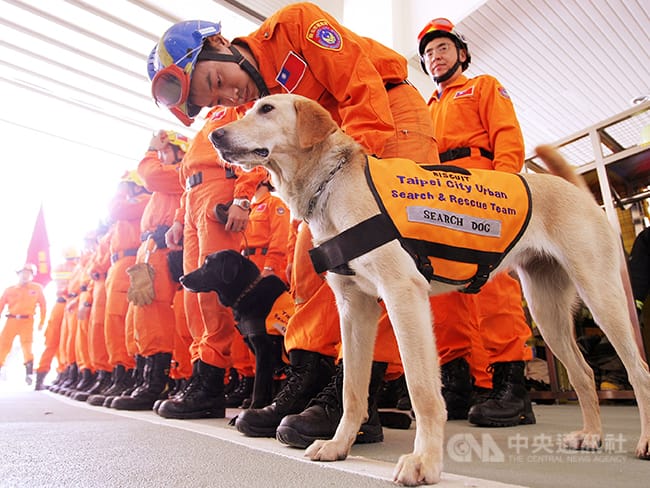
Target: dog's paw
column 327, row 451
column 582, row 441
column 414, row 470
column 643, row 448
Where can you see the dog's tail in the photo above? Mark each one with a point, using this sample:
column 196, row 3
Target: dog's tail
column 559, row 166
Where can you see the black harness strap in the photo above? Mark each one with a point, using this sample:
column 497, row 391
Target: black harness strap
column 334, row 254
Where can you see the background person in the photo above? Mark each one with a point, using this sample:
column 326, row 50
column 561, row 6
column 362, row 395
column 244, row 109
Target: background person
column 21, row 301
column 476, row 127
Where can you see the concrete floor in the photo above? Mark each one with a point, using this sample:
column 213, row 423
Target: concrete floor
column 51, row 441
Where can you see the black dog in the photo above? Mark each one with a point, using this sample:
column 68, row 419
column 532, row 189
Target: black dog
column 240, row 286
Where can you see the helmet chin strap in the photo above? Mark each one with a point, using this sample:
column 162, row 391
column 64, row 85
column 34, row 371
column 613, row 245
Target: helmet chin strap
column 243, row 63
column 448, row 74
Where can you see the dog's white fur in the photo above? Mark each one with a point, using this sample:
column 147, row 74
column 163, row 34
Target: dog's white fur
column 569, row 246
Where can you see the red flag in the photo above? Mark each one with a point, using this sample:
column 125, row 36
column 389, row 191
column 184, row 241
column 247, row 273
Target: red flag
column 38, row 252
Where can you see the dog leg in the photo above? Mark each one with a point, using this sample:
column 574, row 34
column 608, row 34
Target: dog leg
column 550, row 295
column 413, row 326
column 605, row 300
column 359, row 315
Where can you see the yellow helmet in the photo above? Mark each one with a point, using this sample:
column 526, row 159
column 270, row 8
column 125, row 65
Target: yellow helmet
column 132, row 176
column 178, row 140
column 70, row 252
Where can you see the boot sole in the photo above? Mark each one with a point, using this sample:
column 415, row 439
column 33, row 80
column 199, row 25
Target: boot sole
column 205, row 414
column 525, row 419
column 291, row 437
column 252, row 431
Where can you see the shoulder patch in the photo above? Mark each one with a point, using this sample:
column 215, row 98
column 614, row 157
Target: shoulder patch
column 469, row 92
column 261, row 207
column 292, row 70
column 324, row 35
column 504, row 93
column 280, row 210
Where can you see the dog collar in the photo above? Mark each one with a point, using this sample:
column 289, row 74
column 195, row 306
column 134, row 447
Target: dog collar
column 247, row 290
column 312, row 202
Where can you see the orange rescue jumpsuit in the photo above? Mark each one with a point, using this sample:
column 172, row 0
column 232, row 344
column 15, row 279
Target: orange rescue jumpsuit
column 154, row 324
column 266, row 244
column 69, row 327
column 489, row 327
column 61, row 275
column 303, row 50
column 98, row 270
column 21, row 302
column 126, row 212
column 207, row 182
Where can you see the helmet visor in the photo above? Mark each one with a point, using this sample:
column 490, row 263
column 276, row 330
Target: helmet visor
column 171, row 86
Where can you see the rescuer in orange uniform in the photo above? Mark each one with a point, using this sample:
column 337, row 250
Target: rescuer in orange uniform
column 208, row 182
column 153, row 317
column 69, row 327
column 476, row 127
column 98, row 268
column 125, row 213
column 265, row 243
column 87, row 373
column 61, row 276
column 21, row 301
column 302, row 50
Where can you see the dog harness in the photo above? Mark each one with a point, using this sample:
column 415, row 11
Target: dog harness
column 456, row 224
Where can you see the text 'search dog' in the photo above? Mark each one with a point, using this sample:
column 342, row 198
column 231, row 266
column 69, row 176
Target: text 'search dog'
column 393, row 230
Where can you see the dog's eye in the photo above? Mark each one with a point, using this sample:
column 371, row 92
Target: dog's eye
column 266, row 108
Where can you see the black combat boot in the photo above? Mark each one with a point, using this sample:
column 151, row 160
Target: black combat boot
column 29, row 371
column 154, row 387
column 323, row 413
column 86, row 380
column 135, row 380
column 244, row 390
column 102, row 382
column 509, row 402
column 121, row 379
column 60, row 378
column 309, row 372
column 40, row 379
column 394, row 394
column 177, row 387
column 202, row 398
column 72, row 377
column 456, row 388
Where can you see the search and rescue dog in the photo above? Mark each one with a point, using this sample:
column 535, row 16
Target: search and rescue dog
column 564, row 245
column 240, row 286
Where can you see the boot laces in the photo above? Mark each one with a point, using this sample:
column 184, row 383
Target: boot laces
column 294, row 385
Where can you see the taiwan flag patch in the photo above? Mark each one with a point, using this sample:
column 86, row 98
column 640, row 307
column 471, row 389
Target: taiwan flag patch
column 292, row 71
column 465, row 93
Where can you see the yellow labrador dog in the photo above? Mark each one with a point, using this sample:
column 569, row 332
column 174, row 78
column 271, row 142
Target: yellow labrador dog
column 568, row 246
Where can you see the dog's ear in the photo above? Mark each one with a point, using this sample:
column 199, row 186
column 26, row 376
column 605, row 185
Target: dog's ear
column 314, row 123
column 230, row 265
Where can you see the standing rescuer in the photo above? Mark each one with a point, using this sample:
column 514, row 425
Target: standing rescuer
column 152, row 289
column 21, row 301
column 301, row 49
column 476, row 127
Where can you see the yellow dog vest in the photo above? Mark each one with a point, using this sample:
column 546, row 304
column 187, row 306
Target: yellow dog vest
column 466, row 214
column 457, row 224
